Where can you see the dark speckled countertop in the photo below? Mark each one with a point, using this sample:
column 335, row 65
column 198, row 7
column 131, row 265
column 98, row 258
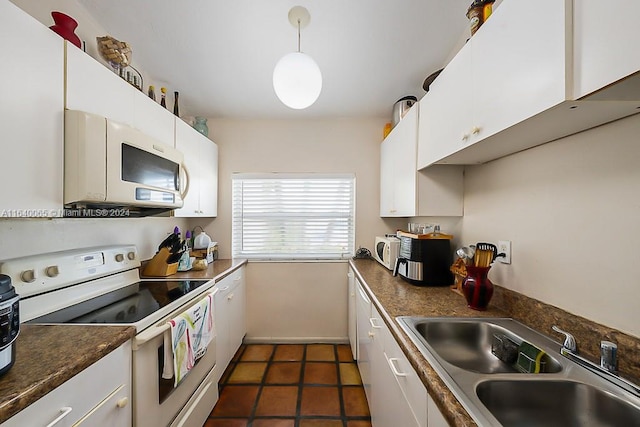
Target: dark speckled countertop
column 49, row 355
column 394, row 297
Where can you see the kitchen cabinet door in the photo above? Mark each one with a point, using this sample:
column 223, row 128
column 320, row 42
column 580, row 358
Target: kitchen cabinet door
column 606, row 44
column 152, row 119
column 32, row 88
column 201, row 162
column 237, row 310
column 230, row 313
column 351, row 316
column 407, row 192
column 98, row 396
column 92, row 87
column 446, row 111
column 365, row 339
column 398, row 168
column 519, row 66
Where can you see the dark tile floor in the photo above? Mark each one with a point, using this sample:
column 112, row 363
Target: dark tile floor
column 291, row 385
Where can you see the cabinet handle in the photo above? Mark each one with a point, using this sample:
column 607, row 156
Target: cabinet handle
column 465, row 136
column 475, row 130
column 371, row 334
column 64, row 411
column 121, row 403
column 230, row 297
column 393, row 367
column 225, row 289
column 374, row 325
column 350, row 275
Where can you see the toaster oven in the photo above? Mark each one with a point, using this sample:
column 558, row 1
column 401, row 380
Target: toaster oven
column 386, row 251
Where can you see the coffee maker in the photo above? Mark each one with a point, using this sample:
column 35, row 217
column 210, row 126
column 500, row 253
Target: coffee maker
column 424, row 259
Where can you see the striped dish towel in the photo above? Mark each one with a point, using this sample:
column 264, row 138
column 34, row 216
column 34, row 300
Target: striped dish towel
column 190, row 334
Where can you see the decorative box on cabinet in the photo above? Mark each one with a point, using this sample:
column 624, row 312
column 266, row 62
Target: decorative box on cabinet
column 406, row 192
column 32, row 88
column 201, row 161
column 511, row 87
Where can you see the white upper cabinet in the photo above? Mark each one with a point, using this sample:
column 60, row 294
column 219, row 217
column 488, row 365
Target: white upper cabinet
column 406, row 192
column 32, row 87
column 152, row 119
column 517, row 82
column 201, row 163
column 606, row 46
column 94, row 88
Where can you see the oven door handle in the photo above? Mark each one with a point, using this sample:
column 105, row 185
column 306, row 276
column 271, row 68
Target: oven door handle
column 160, row 328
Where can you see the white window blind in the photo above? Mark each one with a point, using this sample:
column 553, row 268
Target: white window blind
column 293, row 216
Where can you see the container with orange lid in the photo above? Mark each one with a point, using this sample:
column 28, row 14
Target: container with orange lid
column 478, row 13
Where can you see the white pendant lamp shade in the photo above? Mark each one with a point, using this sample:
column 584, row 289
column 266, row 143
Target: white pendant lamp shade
column 297, row 80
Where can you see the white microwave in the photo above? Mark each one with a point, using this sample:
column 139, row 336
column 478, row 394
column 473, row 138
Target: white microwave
column 386, row 251
column 112, row 167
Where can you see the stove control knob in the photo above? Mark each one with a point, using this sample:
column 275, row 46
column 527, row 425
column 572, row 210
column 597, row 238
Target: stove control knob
column 52, row 271
column 119, row 257
column 131, row 255
column 28, row 276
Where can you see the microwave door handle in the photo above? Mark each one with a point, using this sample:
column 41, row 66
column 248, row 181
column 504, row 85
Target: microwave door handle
column 187, row 179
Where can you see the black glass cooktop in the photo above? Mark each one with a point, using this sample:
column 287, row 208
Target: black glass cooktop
column 126, row 305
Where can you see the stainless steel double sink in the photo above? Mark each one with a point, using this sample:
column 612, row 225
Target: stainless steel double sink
column 495, row 393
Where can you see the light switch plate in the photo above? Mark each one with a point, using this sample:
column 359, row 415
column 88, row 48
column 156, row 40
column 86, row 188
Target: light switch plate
column 504, row 246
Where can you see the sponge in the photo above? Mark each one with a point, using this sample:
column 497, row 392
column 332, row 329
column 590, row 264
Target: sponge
column 530, row 359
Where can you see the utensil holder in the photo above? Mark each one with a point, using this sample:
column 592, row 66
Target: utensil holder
column 158, row 267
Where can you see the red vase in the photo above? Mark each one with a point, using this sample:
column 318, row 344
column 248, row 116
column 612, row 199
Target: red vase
column 65, row 27
column 477, row 287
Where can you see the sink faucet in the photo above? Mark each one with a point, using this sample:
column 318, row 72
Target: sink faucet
column 608, row 367
column 569, row 341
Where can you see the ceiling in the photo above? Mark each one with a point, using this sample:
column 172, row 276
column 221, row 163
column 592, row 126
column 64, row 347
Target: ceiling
column 219, row 55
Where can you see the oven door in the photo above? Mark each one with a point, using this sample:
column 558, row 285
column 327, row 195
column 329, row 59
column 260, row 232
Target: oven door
column 155, row 400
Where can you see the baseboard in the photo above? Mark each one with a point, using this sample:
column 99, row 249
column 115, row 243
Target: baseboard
column 295, row 340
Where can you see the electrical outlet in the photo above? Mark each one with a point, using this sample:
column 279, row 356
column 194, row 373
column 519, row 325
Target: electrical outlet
column 504, row 246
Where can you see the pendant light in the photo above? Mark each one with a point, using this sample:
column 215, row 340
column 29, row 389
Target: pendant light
column 297, row 79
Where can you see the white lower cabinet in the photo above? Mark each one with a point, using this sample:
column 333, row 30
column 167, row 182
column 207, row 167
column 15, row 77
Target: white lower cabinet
column 365, row 339
column 395, row 393
column 230, row 312
column 98, row 396
column 352, row 321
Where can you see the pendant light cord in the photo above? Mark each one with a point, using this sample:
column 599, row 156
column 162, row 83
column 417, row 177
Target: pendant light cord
column 298, row 35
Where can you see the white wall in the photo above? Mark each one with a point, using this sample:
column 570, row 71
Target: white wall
column 289, row 301
column 22, row 237
column 324, row 146
column 571, row 209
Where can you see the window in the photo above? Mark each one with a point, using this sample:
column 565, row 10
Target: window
column 293, row 216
